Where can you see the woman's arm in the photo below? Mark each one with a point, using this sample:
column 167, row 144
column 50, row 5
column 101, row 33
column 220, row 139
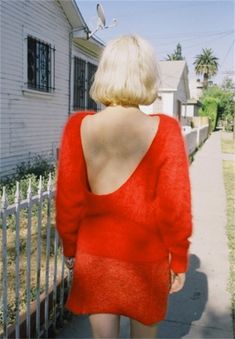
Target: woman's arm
column 174, row 200
column 69, row 197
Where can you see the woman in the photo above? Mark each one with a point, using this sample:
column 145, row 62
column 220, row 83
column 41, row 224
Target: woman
column 123, row 198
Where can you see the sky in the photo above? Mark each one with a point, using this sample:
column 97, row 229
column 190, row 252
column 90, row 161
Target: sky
column 194, row 24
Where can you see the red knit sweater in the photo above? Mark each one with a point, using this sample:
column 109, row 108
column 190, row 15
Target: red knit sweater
column 147, row 219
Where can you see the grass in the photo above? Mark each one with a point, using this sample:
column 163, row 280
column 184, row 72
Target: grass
column 228, row 146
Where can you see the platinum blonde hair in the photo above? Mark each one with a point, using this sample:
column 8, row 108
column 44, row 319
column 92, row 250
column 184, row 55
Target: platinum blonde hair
column 127, row 73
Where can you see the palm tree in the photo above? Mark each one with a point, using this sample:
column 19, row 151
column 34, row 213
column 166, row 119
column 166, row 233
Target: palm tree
column 206, row 64
column 177, row 55
column 172, row 57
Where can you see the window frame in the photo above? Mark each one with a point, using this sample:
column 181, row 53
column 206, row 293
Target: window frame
column 87, row 61
column 26, row 89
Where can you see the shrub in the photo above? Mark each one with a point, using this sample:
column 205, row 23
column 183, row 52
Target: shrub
column 210, row 109
column 30, row 169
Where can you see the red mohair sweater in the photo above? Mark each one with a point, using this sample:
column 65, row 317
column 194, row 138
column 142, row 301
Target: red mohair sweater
column 125, row 242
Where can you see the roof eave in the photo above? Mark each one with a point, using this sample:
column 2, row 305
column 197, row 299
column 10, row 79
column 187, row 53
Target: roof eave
column 73, row 14
column 167, row 90
column 80, row 29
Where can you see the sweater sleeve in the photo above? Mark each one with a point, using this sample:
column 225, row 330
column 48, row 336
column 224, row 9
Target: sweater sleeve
column 175, row 198
column 69, row 197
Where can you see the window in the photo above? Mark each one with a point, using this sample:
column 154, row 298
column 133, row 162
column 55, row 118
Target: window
column 91, row 72
column 79, row 84
column 83, row 78
column 40, row 64
column 178, row 110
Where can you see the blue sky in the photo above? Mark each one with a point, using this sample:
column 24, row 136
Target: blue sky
column 195, row 24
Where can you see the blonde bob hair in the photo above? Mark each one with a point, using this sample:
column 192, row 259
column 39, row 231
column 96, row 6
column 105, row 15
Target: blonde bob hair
column 127, row 73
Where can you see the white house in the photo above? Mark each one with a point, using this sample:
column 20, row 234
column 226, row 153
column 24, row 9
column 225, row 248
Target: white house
column 196, row 88
column 173, row 89
column 191, row 108
column 47, row 64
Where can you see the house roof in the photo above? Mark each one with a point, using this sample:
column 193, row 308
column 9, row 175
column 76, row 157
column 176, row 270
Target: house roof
column 73, row 14
column 171, row 73
column 79, row 27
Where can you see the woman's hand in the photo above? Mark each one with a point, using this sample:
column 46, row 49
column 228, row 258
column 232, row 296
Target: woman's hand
column 69, row 262
column 177, row 281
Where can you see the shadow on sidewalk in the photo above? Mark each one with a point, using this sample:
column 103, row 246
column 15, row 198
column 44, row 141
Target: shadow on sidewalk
column 186, row 306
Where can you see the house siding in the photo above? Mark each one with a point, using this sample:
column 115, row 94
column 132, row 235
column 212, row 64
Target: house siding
column 167, row 103
column 31, row 123
column 180, row 96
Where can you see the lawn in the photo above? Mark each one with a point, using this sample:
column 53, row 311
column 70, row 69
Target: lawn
column 228, row 146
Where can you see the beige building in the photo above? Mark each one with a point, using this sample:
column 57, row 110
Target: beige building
column 173, row 89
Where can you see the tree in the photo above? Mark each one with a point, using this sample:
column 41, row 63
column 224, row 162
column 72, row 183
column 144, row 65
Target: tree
column 228, row 84
column 218, row 104
column 206, row 64
column 176, row 55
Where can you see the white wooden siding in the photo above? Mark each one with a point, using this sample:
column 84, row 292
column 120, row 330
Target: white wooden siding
column 168, row 103
column 31, row 124
column 180, row 95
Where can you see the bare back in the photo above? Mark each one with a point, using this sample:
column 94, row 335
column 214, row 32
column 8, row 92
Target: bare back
column 114, row 141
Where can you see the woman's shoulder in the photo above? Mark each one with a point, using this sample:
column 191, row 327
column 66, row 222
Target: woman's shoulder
column 170, row 122
column 79, row 115
column 75, row 119
column 168, row 118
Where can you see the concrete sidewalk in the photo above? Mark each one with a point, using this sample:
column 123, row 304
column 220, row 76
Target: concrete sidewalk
column 203, row 308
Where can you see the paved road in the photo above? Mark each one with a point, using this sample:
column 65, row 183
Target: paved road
column 203, row 308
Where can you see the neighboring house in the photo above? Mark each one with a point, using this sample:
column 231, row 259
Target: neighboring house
column 47, row 65
column 191, row 108
column 196, row 88
column 173, row 89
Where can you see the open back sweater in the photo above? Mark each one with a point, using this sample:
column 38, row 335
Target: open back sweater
column 147, row 220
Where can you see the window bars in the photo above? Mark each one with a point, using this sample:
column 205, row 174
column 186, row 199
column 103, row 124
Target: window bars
column 83, row 78
column 79, row 100
column 91, row 72
column 41, row 65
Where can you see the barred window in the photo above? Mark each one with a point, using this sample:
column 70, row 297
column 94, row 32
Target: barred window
column 83, row 78
column 40, row 74
column 91, row 72
column 79, row 89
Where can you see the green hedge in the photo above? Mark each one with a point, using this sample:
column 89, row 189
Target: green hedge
column 210, row 109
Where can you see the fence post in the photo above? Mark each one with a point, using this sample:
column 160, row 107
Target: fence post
column 4, row 259
column 17, row 260
column 48, row 243
column 28, row 253
column 39, row 257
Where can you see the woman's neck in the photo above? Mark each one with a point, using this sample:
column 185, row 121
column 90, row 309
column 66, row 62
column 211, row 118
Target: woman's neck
column 122, row 109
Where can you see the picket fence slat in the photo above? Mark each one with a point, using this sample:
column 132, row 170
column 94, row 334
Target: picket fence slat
column 48, row 238
column 28, row 253
column 56, row 241
column 39, row 258
column 4, row 259
column 47, row 281
column 17, row 259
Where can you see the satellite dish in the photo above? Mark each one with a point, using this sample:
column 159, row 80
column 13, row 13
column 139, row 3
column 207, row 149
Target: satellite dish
column 101, row 15
column 101, row 21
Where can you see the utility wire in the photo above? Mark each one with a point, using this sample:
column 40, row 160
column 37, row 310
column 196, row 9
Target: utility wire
column 227, row 53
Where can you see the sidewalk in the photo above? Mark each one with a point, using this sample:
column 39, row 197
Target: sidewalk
column 203, row 308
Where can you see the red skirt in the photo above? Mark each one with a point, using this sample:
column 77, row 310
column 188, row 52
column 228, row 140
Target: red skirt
column 138, row 290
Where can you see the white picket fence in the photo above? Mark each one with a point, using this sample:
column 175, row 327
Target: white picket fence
column 32, row 264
